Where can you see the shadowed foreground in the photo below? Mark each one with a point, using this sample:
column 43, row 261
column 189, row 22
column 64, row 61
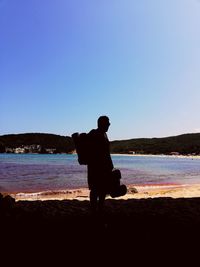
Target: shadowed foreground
column 142, row 230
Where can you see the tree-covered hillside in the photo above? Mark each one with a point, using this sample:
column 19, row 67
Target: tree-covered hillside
column 61, row 144
column 184, row 144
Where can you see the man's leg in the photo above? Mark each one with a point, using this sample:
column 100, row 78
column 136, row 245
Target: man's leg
column 93, row 200
column 102, row 197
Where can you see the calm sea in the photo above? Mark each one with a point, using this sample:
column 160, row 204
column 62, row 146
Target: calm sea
column 33, row 172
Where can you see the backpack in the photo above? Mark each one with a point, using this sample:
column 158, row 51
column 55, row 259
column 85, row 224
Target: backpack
column 81, row 144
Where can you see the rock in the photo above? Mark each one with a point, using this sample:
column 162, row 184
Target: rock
column 7, row 202
column 132, row 190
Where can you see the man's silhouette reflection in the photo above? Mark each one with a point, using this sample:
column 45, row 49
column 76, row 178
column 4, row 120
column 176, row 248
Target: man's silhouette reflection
column 100, row 164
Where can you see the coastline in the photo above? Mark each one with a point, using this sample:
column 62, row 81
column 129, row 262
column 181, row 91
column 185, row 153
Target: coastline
column 133, row 192
column 176, row 189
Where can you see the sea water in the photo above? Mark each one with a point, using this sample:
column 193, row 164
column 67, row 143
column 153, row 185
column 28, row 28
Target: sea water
column 45, row 172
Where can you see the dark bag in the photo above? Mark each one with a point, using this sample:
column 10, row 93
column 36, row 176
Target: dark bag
column 116, row 189
column 81, row 145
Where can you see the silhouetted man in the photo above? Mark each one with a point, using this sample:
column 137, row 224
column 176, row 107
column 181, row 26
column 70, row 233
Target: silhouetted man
column 100, row 164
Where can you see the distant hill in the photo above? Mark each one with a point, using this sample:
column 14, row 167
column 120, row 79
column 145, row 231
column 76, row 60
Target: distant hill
column 183, row 144
column 60, row 144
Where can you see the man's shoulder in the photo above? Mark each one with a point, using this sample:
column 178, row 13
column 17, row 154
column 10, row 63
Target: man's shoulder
column 92, row 132
column 94, row 135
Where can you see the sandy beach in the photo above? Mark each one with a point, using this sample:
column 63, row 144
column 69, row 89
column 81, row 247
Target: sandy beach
column 133, row 192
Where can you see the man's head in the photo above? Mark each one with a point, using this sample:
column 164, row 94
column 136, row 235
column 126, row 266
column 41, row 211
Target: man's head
column 103, row 123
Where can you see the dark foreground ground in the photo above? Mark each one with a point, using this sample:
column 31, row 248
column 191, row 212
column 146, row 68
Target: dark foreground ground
column 159, row 231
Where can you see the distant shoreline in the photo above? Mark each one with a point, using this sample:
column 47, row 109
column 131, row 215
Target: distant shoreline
column 116, row 154
column 158, row 155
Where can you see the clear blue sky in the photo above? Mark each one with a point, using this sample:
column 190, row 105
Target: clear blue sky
column 64, row 63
